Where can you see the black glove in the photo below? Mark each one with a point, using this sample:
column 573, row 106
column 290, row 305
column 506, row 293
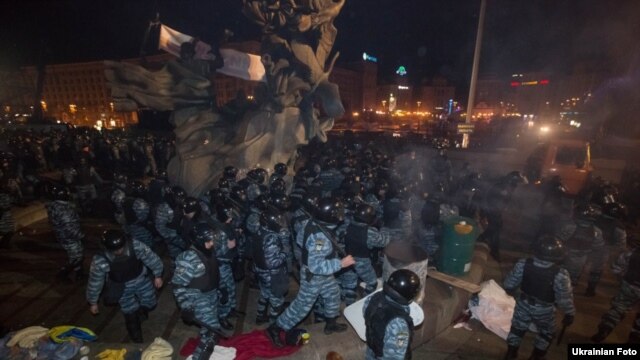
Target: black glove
column 224, row 296
column 568, row 320
column 188, row 316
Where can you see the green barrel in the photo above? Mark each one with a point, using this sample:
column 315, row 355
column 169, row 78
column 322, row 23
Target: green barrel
column 459, row 236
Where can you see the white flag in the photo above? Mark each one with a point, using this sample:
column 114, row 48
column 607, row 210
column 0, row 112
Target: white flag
column 236, row 63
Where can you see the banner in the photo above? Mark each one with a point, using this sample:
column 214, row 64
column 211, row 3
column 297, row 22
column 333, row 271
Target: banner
column 236, row 63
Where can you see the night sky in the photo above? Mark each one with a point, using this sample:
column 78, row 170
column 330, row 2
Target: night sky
column 429, row 37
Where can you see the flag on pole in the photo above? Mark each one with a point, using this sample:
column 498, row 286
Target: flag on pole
column 236, row 63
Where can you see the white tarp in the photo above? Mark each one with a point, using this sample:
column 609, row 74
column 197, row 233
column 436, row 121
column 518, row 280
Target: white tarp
column 355, row 317
column 494, row 308
column 236, row 63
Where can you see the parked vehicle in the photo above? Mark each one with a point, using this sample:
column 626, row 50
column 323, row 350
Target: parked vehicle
column 569, row 159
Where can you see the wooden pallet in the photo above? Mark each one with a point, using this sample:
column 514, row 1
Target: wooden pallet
column 454, row 281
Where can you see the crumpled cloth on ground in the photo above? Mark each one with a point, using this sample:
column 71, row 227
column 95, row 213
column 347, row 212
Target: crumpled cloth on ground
column 67, row 332
column 45, row 349
column 112, row 354
column 159, row 349
column 256, row 344
column 28, row 337
column 494, row 308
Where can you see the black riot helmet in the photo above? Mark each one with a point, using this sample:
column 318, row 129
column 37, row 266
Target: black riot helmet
column 191, row 205
column 365, row 213
column 330, row 210
column 548, row 248
column 223, row 183
column 203, row 233
column 278, row 186
column 138, row 189
column 216, row 197
column 281, row 202
column 230, row 173
column 280, row 169
column 586, row 212
column 174, row 195
column 59, row 192
column 310, row 202
column 239, row 194
column 272, row 219
column 162, row 175
column 261, row 202
column 402, row 286
column 113, row 240
column 256, row 176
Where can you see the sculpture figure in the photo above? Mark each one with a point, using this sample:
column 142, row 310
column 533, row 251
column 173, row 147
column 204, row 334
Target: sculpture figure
column 295, row 102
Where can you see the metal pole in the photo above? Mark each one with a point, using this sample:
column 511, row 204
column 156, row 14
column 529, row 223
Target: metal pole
column 474, row 71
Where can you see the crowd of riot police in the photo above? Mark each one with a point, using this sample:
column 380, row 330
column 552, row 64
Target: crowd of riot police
column 322, row 221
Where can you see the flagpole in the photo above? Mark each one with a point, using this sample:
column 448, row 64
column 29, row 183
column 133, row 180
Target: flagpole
column 474, row 71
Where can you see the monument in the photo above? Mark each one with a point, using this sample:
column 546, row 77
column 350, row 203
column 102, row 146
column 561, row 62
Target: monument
column 294, row 103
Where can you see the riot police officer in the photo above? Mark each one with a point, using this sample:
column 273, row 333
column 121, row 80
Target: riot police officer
column 628, row 266
column 137, row 214
column 167, row 220
column 584, row 242
column 360, row 238
column 124, row 264
column 118, row 195
column 543, row 286
column 195, row 286
column 319, row 262
column 270, row 264
column 65, row 222
column 386, row 315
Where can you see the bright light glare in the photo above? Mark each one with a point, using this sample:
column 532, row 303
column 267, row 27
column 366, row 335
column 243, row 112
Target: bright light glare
column 544, row 129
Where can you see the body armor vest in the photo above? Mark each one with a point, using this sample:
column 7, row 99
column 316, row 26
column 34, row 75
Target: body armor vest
column 356, row 241
column 124, row 267
column 211, row 278
column 632, row 276
column 312, row 228
column 582, row 238
column 538, row 282
column 377, row 316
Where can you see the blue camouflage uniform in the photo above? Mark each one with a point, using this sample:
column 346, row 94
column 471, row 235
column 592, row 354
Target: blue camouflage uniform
column 165, row 223
column 628, row 266
column 65, row 221
column 271, row 272
column 360, row 239
column 137, row 228
column 225, row 257
column 317, row 279
column 584, row 244
column 117, row 198
column 397, row 337
column 203, row 303
column 138, row 291
column 537, row 305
